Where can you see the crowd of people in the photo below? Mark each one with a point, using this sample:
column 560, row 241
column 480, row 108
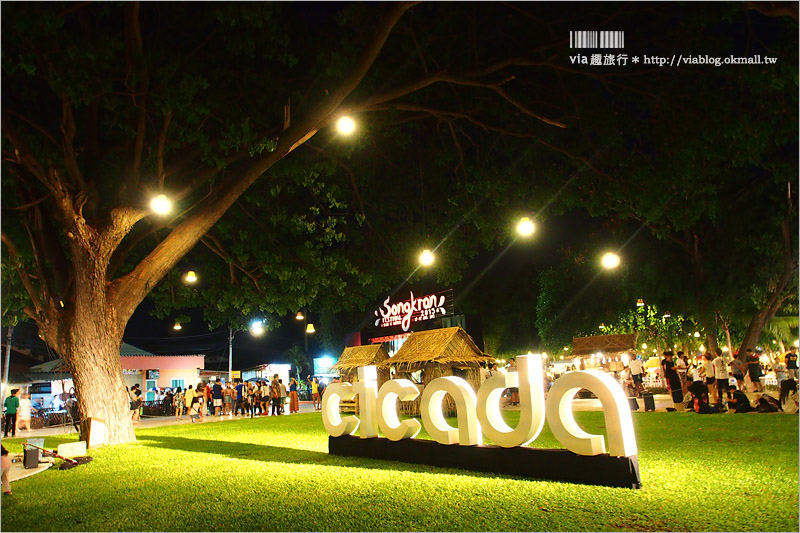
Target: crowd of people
column 717, row 383
column 253, row 398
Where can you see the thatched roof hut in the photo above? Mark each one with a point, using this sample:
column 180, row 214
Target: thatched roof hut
column 436, row 353
column 613, row 347
column 357, row 356
column 607, row 344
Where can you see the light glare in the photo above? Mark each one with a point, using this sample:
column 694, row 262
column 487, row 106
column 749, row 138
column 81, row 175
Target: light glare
column 610, row 260
column 426, row 258
column 161, row 205
column 526, row 227
column 345, row 125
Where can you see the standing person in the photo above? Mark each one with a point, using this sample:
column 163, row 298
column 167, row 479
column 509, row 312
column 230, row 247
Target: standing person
column 209, row 396
column 721, row 377
column 251, row 399
column 314, row 385
column 24, row 412
column 12, row 405
column 737, row 371
column 188, row 397
column 239, row 398
column 216, row 395
column 636, row 368
column 673, row 381
column 512, row 367
column 780, row 371
column 265, row 397
column 322, row 386
column 195, row 411
column 708, row 375
column 682, row 367
column 294, row 405
column 134, row 402
column 275, row 397
column 754, row 370
column 791, row 363
column 226, row 400
column 177, row 402
column 283, row 395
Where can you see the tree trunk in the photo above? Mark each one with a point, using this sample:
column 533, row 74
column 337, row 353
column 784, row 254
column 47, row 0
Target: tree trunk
column 96, row 367
column 87, row 334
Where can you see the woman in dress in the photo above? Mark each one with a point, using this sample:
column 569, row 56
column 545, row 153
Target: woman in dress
column 178, row 403
column 294, row 405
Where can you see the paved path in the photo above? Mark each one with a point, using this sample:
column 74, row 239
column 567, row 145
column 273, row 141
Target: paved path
column 662, row 401
column 149, row 422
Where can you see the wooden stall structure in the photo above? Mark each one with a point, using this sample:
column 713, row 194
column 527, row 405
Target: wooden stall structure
column 612, row 348
column 357, row 356
column 427, row 355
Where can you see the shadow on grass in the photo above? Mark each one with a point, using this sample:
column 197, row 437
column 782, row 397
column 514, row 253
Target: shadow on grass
column 280, row 454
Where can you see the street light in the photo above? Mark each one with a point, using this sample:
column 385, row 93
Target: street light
column 639, row 303
column 161, row 205
column 426, row 258
column 610, row 260
column 345, row 125
column 257, row 327
column 310, row 329
column 177, row 326
column 525, row 227
column 191, row 277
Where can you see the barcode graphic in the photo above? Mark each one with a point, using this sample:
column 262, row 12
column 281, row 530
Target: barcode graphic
column 597, row 39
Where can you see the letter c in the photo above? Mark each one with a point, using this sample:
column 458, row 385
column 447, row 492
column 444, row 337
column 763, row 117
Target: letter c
column 331, row 419
column 391, row 426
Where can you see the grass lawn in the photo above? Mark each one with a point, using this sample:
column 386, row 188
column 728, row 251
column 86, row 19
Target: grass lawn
column 723, row 472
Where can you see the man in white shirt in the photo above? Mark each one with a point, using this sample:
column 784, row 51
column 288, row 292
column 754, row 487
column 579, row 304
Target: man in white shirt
column 636, row 368
column 721, row 376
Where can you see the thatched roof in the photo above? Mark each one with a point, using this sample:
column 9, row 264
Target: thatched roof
column 446, row 346
column 357, row 356
column 606, row 344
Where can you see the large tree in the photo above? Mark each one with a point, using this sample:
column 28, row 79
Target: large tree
column 106, row 105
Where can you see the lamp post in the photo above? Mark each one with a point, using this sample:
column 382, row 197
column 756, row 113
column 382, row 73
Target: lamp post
column 256, row 329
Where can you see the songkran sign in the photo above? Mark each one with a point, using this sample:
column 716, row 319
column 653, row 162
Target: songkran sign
column 414, row 309
column 584, row 460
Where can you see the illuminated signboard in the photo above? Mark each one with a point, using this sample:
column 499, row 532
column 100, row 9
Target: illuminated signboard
column 414, row 309
column 322, row 365
column 585, row 459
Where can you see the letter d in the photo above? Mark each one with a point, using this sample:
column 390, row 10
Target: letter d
column 528, row 378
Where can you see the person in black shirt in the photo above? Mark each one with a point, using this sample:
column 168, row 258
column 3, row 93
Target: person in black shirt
column 791, row 363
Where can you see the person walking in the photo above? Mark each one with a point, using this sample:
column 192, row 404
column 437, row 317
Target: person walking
column 737, row 371
column 265, row 397
column 177, row 403
column 636, row 368
column 294, row 404
column 24, row 412
column 754, row 370
column 12, row 405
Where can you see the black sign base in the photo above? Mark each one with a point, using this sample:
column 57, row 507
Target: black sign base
column 533, row 463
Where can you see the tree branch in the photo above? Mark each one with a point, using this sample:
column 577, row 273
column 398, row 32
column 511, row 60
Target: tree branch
column 13, row 251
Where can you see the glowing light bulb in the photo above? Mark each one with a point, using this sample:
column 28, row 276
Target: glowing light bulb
column 610, row 260
column 345, row 125
column 426, row 258
column 526, row 227
column 161, row 205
